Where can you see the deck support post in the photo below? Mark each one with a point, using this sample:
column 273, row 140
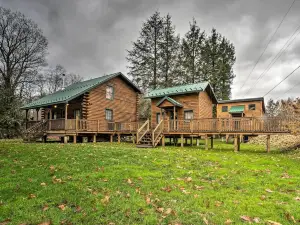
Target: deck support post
column 241, row 138
column 174, row 121
column 268, row 143
column 119, row 138
column 197, row 141
column 37, row 114
column 133, row 139
column 66, row 115
column 212, row 142
column 192, row 140
column 181, row 141
column 65, row 139
column 227, row 138
column 236, row 143
column 50, row 115
column 94, row 138
column 111, row 138
column 206, row 142
column 163, row 141
column 45, row 138
column 74, row 139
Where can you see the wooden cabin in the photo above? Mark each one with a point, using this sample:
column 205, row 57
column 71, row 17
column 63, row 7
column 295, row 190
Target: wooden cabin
column 102, row 102
column 182, row 103
column 248, row 107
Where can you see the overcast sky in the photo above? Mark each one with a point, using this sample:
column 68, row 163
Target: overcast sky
column 90, row 37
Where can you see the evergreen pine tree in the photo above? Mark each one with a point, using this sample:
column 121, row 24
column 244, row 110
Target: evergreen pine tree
column 191, row 47
column 169, row 49
column 144, row 57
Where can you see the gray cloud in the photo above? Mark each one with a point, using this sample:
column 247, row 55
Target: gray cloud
column 91, row 37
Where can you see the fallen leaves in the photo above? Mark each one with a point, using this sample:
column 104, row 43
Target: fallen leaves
column 167, row 189
column 228, row 221
column 43, row 184
column 297, row 198
column 105, row 200
column 45, row 223
column 246, row 218
column 45, row 207
column 62, row 207
column 285, row 176
column 269, row 191
column 31, row 196
column 270, row 222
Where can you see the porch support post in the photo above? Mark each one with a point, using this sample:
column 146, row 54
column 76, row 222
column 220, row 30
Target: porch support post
column 163, row 141
column 74, row 139
column 206, row 142
column 133, row 139
column 174, row 113
column 37, row 114
column 236, row 143
column 94, row 138
column 181, row 141
column 45, row 138
column 212, row 142
column 227, row 138
column 268, row 143
column 192, row 140
column 66, row 115
column 50, row 114
column 111, row 138
column 197, row 141
column 26, row 118
column 119, row 138
column 65, row 139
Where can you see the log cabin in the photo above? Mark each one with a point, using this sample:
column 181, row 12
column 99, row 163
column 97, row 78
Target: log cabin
column 247, row 107
column 182, row 103
column 93, row 105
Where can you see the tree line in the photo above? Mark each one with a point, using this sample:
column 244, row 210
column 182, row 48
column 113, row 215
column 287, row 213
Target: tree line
column 24, row 72
column 160, row 58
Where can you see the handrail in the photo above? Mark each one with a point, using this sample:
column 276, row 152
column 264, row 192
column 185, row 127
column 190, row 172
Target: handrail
column 159, row 128
column 140, row 136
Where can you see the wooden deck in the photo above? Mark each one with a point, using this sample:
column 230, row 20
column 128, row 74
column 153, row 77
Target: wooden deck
column 246, row 126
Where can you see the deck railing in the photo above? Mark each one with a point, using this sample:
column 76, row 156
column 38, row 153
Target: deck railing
column 156, row 133
column 225, row 125
column 205, row 125
column 142, row 131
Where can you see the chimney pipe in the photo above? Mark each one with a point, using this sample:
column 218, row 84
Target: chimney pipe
column 63, row 86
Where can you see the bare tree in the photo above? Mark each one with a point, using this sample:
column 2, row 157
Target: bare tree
column 23, row 48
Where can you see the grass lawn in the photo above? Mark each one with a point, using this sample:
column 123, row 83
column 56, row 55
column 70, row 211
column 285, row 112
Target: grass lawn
column 107, row 183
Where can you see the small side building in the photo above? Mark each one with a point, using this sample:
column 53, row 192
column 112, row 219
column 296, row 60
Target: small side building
column 248, row 107
column 184, row 102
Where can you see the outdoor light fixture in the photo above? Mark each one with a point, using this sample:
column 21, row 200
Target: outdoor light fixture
column 55, row 106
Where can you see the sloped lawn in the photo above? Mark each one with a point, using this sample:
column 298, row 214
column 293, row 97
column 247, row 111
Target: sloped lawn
column 107, row 183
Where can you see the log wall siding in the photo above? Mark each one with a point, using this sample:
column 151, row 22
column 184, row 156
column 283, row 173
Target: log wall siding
column 205, row 106
column 124, row 103
column 200, row 103
column 258, row 112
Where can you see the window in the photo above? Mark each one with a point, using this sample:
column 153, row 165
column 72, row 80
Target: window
column 108, row 114
column 225, row 108
column 109, row 92
column 251, row 106
column 188, row 115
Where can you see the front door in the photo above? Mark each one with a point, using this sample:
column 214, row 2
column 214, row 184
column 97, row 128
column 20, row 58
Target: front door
column 173, row 124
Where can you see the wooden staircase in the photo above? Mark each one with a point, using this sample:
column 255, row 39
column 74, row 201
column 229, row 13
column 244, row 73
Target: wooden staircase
column 147, row 138
column 36, row 131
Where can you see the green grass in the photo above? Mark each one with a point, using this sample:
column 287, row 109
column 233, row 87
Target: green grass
column 107, row 183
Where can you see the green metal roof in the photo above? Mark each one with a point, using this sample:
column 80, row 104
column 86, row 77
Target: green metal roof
column 74, row 90
column 237, row 109
column 176, row 90
column 174, row 102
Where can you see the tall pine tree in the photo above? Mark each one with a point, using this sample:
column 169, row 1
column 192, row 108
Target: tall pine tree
column 169, row 50
column 218, row 58
column 191, row 47
column 144, row 58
